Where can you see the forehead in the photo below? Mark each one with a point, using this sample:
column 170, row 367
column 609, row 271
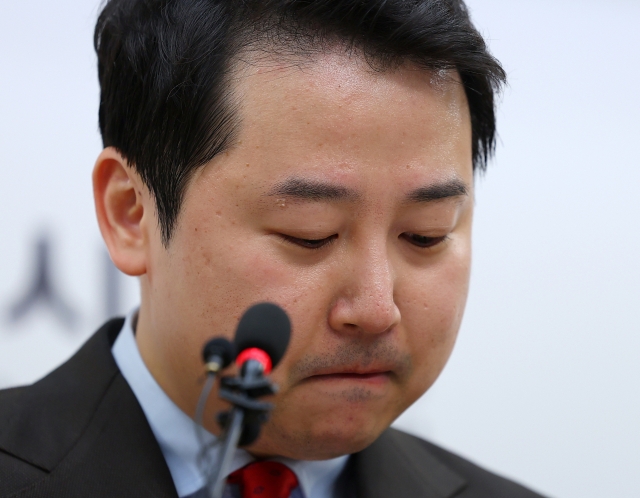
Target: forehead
column 335, row 113
column 335, row 80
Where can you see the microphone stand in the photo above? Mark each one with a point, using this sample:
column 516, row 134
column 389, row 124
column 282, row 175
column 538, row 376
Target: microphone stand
column 243, row 422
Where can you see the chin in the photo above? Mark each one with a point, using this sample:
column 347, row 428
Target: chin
column 320, row 438
column 343, row 442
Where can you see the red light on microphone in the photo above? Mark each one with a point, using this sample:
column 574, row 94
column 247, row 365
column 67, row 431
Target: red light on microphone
column 257, row 355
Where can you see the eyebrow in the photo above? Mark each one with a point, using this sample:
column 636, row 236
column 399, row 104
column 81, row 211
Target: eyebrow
column 439, row 191
column 313, row 190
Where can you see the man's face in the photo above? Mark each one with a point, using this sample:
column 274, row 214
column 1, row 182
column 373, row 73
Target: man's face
column 348, row 201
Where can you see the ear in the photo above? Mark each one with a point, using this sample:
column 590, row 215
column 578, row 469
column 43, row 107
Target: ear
column 122, row 205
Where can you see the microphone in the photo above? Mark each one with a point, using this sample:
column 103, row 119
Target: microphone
column 218, row 354
column 262, row 337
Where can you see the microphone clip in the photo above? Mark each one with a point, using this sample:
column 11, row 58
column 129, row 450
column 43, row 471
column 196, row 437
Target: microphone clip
column 242, row 392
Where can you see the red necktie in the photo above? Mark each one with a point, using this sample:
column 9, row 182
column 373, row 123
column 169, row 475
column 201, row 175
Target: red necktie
column 264, row 480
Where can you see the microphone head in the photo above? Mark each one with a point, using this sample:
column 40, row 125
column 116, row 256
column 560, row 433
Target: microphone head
column 222, row 348
column 264, row 326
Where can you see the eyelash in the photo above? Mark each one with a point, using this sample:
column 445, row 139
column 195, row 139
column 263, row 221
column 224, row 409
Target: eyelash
column 423, row 241
column 426, row 242
column 312, row 244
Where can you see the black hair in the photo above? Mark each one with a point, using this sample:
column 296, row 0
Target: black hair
column 164, row 69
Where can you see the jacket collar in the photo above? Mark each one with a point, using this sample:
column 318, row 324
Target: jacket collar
column 398, row 464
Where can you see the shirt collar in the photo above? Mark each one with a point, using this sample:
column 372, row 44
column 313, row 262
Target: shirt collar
column 176, row 432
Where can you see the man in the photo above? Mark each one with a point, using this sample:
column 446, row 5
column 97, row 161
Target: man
column 316, row 154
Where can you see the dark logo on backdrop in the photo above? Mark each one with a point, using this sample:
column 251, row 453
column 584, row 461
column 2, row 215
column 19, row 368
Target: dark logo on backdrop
column 43, row 291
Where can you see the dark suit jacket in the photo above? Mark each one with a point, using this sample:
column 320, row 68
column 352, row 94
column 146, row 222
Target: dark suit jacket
column 80, row 432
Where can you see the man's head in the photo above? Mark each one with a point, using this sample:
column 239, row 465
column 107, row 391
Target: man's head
column 317, row 154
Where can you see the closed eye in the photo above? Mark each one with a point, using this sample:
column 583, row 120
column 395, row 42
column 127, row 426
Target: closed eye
column 423, row 241
column 309, row 243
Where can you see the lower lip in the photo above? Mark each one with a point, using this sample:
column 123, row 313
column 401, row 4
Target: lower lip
column 370, row 379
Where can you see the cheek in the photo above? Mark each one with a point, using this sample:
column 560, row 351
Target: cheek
column 225, row 277
column 432, row 306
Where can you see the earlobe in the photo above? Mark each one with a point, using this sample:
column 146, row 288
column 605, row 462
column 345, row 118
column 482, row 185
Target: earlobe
column 119, row 197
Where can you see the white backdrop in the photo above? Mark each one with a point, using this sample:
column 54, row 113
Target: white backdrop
column 544, row 384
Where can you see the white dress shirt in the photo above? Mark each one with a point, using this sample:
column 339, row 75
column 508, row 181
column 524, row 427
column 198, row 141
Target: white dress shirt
column 178, row 440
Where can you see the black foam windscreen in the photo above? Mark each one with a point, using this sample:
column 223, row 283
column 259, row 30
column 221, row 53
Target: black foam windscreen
column 222, row 348
column 264, row 326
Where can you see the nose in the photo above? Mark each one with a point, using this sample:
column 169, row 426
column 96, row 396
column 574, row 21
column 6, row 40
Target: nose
column 365, row 302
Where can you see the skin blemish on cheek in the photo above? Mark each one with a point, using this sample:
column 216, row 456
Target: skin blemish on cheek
column 281, row 203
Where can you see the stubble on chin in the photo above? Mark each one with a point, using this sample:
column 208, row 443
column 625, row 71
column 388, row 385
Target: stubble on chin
column 298, row 431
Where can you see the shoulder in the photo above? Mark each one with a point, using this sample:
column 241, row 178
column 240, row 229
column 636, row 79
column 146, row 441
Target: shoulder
column 481, row 481
column 52, row 411
column 400, row 461
column 80, row 432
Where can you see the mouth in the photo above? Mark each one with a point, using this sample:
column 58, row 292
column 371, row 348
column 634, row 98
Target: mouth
column 378, row 377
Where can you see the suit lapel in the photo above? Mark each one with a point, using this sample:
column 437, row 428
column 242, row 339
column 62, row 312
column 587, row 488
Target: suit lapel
column 398, row 464
column 118, row 451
